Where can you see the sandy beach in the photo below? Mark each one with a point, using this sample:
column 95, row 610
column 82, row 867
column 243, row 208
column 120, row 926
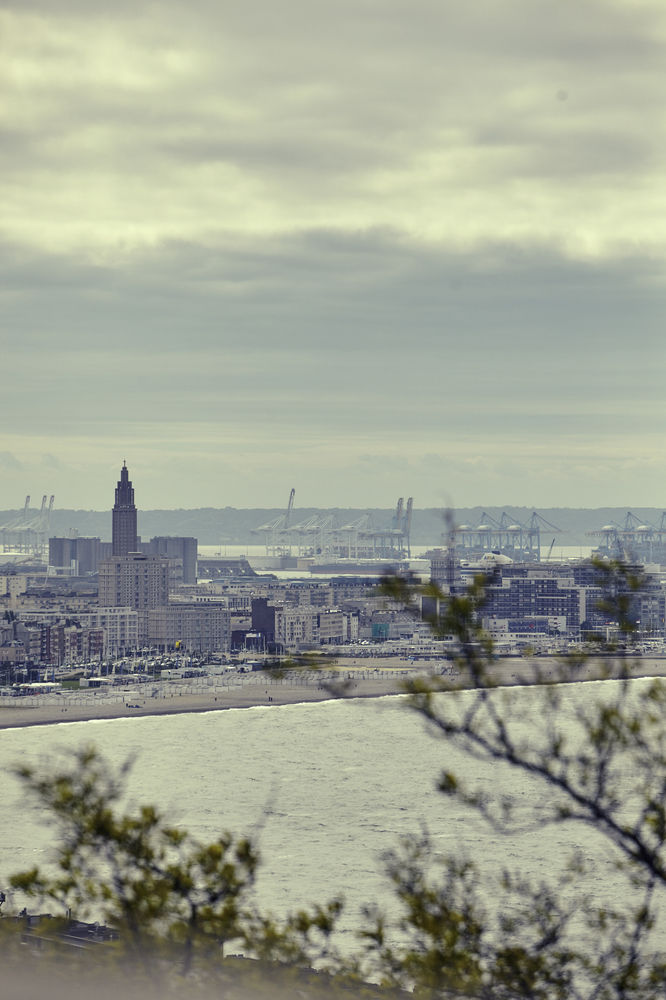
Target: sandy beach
column 246, row 691
column 354, row 679
column 137, row 704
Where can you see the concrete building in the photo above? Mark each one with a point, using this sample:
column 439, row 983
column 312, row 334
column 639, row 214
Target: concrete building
column 200, row 628
column 331, row 627
column 12, row 654
column 518, row 593
column 535, row 597
column 12, row 587
column 81, row 645
column 263, row 618
column 74, row 556
column 123, row 527
column 182, row 556
column 134, row 580
column 62, row 643
column 295, row 626
column 119, row 625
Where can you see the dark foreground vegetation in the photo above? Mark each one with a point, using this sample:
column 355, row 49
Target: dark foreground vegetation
column 182, row 911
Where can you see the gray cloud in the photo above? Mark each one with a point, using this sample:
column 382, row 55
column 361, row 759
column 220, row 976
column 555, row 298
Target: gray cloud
column 330, row 109
column 258, row 238
column 350, row 320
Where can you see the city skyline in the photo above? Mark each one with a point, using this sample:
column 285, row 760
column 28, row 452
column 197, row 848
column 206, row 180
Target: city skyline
column 361, row 251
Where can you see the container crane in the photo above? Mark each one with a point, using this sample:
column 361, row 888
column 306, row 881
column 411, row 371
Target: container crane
column 408, row 524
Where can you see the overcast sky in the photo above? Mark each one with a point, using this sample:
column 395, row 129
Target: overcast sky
column 368, row 249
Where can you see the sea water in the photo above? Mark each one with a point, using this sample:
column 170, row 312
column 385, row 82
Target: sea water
column 325, row 789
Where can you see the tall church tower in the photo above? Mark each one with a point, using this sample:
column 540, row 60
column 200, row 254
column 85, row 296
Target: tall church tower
column 123, row 530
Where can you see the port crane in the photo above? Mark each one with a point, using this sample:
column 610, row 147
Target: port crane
column 276, row 531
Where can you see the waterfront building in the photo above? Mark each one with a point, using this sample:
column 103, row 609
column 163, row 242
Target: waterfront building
column 12, row 653
column 195, row 627
column 331, row 627
column 519, row 593
column 538, row 597
column 119, row 625
column 296, row 626
column 123, row 529
column 62, row 642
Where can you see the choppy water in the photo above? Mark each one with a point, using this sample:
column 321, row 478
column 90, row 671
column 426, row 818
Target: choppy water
column 327, row 786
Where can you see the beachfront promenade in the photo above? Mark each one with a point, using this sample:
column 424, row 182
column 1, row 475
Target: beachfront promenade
column 260, row 688
column 221, row 684
column 210, row 693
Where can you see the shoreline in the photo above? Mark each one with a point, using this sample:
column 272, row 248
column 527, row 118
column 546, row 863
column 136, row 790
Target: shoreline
column 250, row 696
column 251, row 691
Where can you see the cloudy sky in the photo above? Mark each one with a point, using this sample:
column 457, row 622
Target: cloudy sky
column 366, row 249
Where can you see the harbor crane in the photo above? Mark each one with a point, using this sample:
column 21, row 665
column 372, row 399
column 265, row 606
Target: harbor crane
column 28, row 531
column 276, row 531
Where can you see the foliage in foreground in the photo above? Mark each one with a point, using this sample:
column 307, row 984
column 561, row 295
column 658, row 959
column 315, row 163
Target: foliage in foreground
column 182, row 907
column 594, row 764
column 179, row 906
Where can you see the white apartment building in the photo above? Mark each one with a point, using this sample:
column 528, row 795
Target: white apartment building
column 121, row 628
column 296, row 625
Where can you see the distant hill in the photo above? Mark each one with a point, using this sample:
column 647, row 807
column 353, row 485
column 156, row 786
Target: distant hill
column 231, row 525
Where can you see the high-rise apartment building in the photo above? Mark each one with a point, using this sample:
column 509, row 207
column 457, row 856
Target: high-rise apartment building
column 123, row 528
column 136, row 580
